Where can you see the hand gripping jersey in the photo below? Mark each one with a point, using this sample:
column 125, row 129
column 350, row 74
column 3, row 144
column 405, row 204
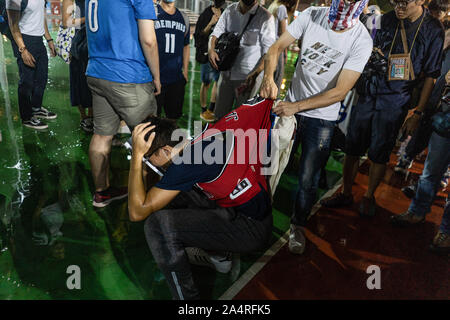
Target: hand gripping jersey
column 240, row 180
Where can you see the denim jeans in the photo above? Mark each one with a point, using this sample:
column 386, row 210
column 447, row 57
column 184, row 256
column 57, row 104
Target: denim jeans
column 436, row 165
column 192, row 220
column 315, row 137
column 420, row 138
column 32, row 81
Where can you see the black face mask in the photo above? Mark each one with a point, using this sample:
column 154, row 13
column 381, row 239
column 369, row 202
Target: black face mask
column 218, row 3
column 249, row 3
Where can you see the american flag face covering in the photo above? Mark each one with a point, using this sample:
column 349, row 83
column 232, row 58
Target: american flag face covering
column 344, row 14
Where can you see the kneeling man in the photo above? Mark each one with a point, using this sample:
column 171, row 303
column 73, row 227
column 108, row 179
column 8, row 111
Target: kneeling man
column 219, row 206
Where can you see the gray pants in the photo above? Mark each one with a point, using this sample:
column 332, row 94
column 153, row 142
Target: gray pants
column 227, row 98
column 192, row 220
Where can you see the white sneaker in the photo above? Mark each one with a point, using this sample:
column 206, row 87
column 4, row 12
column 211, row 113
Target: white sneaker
column 297, row 240
column 199, row 257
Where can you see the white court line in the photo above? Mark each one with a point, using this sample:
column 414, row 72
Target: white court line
column 191, row 89
column 4, row 86
column 265, row 258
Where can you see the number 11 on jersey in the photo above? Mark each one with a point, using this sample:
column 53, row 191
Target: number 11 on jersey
column 170, row 43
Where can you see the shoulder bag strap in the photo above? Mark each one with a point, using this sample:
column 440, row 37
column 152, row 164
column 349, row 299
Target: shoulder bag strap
column 248, row 22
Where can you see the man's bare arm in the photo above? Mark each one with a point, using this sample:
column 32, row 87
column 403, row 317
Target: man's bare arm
column 412, row 123
column 346, row 81
column 149, row 45
column 186, row 56
column 13, row 19
column 212, row 55
column 67, row 15
column 268, row 88
column 425, row 93
column 140, row 203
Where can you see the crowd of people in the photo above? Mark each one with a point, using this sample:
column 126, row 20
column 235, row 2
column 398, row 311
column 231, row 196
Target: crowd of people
column 129, row 62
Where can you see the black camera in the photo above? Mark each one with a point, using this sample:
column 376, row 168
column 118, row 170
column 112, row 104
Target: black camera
column 377, row 64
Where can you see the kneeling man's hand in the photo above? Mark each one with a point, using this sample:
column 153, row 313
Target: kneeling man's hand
column 140, row 146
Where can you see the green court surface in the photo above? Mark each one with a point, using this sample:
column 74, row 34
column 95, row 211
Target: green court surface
column 45, row 182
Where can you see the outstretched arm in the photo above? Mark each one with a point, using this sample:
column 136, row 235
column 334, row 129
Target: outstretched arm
column 346, row 81
column 268, row 88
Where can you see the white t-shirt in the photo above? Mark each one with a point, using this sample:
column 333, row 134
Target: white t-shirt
column 32, row 21
column 256, row 40
column 324, row 53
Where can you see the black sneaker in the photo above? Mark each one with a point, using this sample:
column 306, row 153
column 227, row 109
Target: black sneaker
column 35, row 123
column 441, row 243
column 44, row 114
column 410, row 191
column 220, row 262
column 406, row 219
column 337, row 200
column 403, row 164
column 87, row 125
column 367, row 207
column 105, row 197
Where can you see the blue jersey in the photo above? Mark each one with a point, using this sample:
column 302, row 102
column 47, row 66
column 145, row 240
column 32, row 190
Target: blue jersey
column 115, row 53
column 172, row 34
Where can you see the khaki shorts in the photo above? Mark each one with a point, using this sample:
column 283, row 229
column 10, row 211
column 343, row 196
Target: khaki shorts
column 113, row 101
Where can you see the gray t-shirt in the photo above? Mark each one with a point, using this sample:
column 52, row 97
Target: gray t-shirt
column 324, row 53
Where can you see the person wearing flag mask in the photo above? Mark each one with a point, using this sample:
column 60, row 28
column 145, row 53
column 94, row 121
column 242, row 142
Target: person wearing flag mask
column 335, row 47
column 411, row 40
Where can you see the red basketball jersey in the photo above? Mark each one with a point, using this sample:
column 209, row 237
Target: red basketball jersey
column 248, row 128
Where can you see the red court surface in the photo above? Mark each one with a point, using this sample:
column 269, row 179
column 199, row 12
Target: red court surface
column 341, row 246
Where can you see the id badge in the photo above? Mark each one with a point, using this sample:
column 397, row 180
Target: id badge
column 399, row 67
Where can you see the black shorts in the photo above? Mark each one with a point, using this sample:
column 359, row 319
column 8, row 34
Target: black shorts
column 171, row 99
column 372, row 129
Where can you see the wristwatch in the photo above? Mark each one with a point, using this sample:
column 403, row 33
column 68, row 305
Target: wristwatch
column 419, row 113
column 49, row 40
column 22, row 49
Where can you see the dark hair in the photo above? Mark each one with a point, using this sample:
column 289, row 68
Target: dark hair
column 290, row 5
column 435, row 5
column 163, row 133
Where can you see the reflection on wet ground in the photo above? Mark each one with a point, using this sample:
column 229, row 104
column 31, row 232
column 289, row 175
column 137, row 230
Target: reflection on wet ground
column 48, row 222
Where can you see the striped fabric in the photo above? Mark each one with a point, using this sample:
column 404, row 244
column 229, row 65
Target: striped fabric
column 344, row 14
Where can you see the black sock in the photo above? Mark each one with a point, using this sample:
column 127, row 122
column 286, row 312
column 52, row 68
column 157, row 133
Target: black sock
column 212, row 106
column 203, row 109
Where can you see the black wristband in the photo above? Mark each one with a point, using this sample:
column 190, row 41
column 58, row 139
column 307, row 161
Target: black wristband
column 419, row 113
column 49, row 40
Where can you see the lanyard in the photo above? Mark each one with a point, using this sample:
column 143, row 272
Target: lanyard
column 403, row 34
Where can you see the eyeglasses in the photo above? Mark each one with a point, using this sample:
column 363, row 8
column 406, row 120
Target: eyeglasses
column 401, row 4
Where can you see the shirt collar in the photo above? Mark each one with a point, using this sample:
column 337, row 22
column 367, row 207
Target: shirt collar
column 253, row 9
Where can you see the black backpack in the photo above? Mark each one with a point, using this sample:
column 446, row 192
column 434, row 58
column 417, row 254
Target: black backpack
column 228, row 46
column 4, row 24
